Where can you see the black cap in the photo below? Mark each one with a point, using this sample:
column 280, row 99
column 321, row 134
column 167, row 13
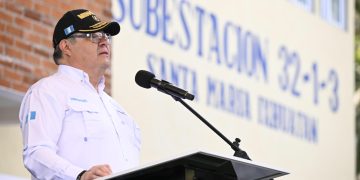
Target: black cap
column 82, row 21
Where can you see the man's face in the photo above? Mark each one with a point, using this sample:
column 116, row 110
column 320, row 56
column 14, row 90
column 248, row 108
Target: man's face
column 91, row 52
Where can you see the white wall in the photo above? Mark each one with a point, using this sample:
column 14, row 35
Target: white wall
column 320, row 81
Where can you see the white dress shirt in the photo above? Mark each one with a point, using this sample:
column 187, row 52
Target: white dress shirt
column 68, row 126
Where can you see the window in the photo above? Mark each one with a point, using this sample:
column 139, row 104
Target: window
column 308, row 5
column 334, row 12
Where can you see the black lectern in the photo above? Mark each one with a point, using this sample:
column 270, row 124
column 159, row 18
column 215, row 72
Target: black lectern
column 200, row 165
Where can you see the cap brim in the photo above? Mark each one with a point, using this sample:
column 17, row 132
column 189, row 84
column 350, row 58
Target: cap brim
column 113, row 28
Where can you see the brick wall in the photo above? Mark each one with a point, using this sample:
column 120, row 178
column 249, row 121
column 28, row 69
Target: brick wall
column 26, row 28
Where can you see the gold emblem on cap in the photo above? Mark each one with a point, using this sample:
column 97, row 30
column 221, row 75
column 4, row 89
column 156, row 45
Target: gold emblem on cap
column 97, row 27
column 99, row 24
column 95, row 18
column 85, row 14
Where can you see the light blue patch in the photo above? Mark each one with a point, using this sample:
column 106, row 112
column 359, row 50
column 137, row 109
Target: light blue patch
column 69, row 30
column 32, row 115
column 77, row 99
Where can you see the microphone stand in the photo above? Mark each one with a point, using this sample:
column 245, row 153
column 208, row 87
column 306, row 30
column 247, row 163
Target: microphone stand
column 234, row 145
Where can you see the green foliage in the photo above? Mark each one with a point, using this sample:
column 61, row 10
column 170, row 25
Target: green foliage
column 357, row 81
column 357, row 61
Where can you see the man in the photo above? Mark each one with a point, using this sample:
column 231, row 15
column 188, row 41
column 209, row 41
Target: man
column 71, row 128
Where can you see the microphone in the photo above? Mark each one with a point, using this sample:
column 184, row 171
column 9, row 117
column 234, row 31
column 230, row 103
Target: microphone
column 147, row 80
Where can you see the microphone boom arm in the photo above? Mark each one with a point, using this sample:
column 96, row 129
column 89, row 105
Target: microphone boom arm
column 146, row 80
column 234, row 145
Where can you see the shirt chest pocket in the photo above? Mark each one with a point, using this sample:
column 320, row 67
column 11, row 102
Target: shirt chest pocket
column 128, row 127
column 89, row 117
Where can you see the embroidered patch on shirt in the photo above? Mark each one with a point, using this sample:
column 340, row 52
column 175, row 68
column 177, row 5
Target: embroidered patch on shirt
column 32, row 115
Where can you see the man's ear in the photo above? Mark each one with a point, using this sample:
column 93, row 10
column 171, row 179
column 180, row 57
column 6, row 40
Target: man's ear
column 65, row 48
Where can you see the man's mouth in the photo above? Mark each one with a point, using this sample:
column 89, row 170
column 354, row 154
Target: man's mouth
column 105, row 53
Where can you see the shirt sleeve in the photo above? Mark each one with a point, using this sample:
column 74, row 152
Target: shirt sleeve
column 41, row 116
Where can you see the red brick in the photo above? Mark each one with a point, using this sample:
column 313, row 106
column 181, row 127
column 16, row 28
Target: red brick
column 57, row 14
column 6, row 64
column 12, row 75
column 49, row 65
column 46, row 72
column 21, row 86
column 1, row 71
column 30, row 79
column 46, row 42
column 13, row 7
column 32, row 59
column 41, row 29
column 4, row 82
column 41, row 52
column 107, row 14
column 33, row 38
column 22, row 68
column 13, row 52
column 22, row 22
column 95, row 8
column 79, row 3
column 52, row 3
column 14, row 31
column 6, row 40
column 26, row 3
column 32, row 14
column 65, row 6
column 6, row 17
column 24, row 46
column 103, row 2
column 2, row 27
column 41, row 8
column 49, row 21
column 2, row 49
column 39, row 72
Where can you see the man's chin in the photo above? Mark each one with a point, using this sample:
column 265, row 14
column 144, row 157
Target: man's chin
column 105, row 60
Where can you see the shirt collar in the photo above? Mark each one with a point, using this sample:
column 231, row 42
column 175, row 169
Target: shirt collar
column 80, row 75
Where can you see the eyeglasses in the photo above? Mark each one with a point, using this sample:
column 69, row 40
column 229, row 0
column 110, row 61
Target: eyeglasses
column 94, row 37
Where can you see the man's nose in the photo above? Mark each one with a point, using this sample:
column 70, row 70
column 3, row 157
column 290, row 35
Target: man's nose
column 104, row 41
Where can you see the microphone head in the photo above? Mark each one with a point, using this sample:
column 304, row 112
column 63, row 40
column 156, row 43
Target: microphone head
column 143, row 78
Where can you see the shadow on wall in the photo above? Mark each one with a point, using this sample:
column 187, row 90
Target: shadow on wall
column 10, row 102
